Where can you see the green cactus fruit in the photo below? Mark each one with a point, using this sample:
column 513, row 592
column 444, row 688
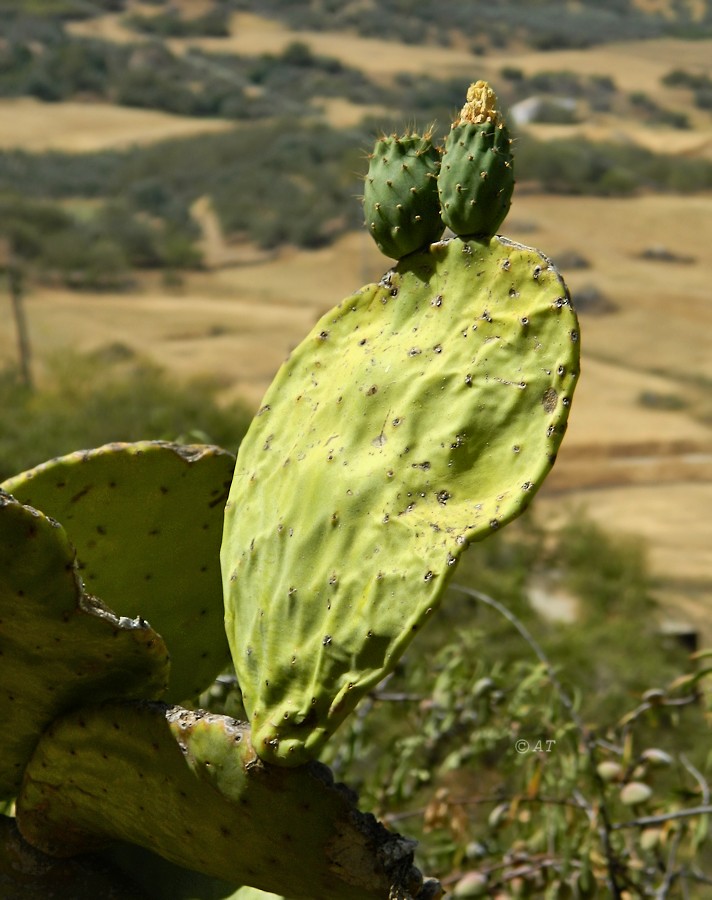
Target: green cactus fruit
column 418, row 416
column 146, row 520
column 476, row 178
column 59, row 647
column 28, row 874
column 188, row 786
column 400, row 202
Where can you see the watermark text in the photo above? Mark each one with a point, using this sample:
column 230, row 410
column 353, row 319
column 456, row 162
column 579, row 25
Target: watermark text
column 534, row 746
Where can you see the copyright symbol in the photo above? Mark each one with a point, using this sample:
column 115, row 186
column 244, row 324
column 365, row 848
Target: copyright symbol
column 521, row 746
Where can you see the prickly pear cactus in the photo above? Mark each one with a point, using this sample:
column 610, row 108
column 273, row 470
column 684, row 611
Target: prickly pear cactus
column 400, row 203
column 59, row 647
column 189, row 786
column 146, row 520
column 477, row 177
column 418, row 416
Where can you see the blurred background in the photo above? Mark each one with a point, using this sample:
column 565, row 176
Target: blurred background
column 179, row 203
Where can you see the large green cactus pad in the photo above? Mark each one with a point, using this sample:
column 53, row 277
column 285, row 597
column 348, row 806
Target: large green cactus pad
column 59, row 648
column 146, row 520
column 418, row 416
column 189, row 786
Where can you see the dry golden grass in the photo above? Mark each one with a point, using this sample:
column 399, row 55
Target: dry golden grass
column 658, row 139
column 29, row 124
column 664, row 318
column 106, row 28
column 342, row 113
column 635, row 66
column 672, row 519
column 695, row 8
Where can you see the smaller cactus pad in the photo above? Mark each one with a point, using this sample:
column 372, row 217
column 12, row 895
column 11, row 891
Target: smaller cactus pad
column 476, row 177
column 400, row 203
column 59, row 647
column 418, row 416
column 146, row 520
column 189, row 786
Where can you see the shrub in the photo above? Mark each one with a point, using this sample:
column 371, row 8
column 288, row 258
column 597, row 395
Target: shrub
column 87, row 401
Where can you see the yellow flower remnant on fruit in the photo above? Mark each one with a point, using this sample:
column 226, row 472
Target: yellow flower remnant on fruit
column 481, row 105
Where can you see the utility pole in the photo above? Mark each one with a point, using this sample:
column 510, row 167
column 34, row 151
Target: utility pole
column 16, row 283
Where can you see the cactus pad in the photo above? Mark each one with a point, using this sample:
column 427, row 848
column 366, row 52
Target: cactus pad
column 189, row 786
column 476, row 178
column 59, row 648
column 400, row 200
column 418, row 416
column 146, row 520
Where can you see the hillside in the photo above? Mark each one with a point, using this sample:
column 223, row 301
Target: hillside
column 615, row 185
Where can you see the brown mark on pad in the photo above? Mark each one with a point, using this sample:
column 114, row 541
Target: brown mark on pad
column 549, row 400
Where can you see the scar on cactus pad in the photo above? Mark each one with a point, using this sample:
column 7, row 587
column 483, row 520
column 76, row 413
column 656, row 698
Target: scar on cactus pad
column 418, row 416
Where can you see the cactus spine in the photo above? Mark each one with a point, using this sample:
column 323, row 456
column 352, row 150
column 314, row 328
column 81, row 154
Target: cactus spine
column 477, row 178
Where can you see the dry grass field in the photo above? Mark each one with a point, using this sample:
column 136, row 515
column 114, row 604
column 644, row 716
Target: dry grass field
column 635, row 466
column 37, row 127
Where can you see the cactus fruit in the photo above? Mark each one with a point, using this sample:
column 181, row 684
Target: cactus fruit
column 418, row 416
column 476, row 177
column 189, row 786
column 146, row 521
column 400, row 202
column 59, row 647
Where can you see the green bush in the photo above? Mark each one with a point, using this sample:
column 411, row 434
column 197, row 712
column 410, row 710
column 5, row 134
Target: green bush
column 98, row 249
column 87, row 401
column 577, row 166
column 171, row 24
column 492, row 754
